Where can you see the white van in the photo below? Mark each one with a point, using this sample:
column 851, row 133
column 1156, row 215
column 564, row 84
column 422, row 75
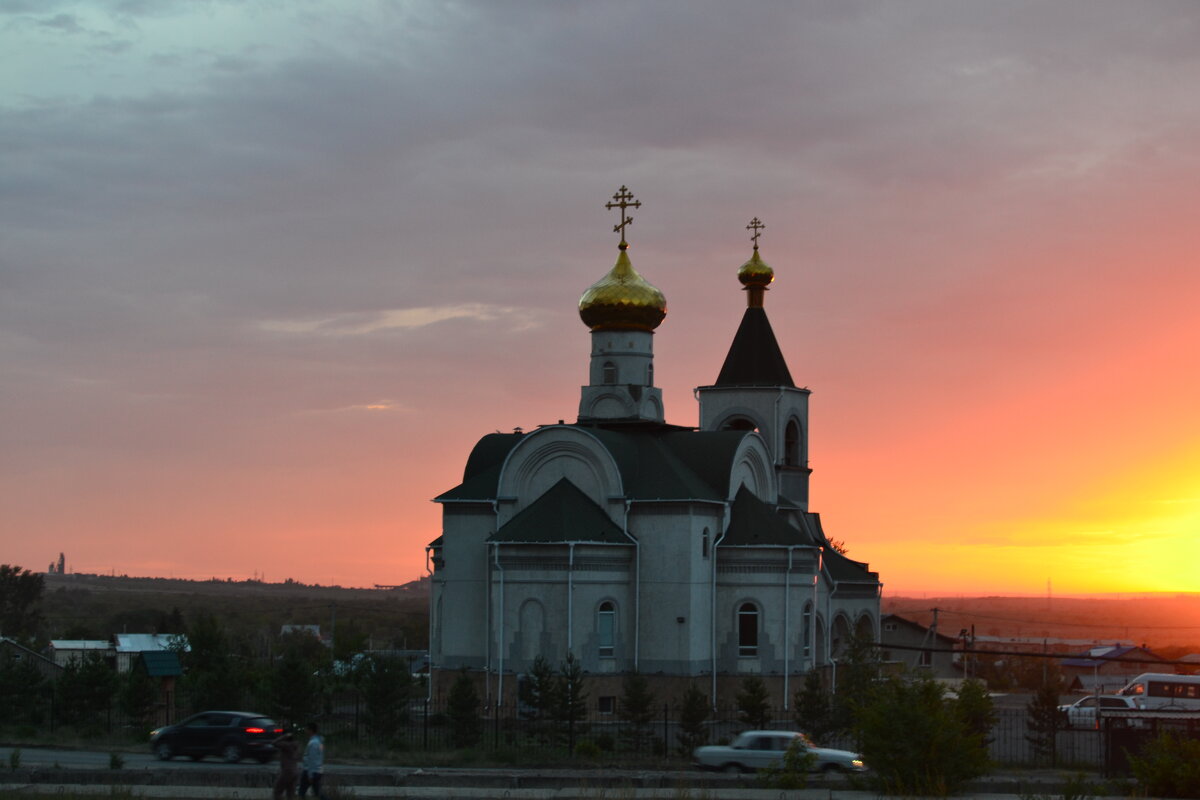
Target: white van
column 1158, row 690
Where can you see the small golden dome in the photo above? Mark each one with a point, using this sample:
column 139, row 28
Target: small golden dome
column 622, row 300
column 756, row 272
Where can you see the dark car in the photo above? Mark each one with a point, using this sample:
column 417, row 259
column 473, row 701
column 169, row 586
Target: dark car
column 232, row 735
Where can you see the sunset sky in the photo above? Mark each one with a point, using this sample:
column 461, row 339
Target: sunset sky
column 269, row 269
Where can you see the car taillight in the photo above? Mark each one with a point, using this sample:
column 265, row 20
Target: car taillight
column 255, row 730
column 278, row 730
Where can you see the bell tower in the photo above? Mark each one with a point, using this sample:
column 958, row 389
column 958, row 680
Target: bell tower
column 755, row 390
column 622, row 310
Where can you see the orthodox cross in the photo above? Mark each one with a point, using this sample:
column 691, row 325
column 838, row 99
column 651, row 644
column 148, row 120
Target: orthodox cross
column 756, row 226
column 624, row 199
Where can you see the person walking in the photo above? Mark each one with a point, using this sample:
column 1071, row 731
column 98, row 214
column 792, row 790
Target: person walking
column 313, row 766
column 289, row 766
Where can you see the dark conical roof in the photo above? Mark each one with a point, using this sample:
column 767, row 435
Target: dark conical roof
column 754, row 358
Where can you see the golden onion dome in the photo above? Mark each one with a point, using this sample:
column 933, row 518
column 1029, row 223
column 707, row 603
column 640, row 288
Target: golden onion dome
column 622, row 300
column 756, row 272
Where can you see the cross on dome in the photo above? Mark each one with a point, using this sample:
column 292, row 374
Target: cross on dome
column 757, row 226
column 624, row 199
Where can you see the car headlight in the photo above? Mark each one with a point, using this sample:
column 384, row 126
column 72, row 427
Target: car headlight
column 154, row 733
column 857, row 763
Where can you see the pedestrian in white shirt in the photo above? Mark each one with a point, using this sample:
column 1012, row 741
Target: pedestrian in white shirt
column 313, row 764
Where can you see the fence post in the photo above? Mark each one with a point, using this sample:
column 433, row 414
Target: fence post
column 425, row 726
column 666, row 734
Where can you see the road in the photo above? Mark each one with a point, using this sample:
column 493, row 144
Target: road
column 62, row 758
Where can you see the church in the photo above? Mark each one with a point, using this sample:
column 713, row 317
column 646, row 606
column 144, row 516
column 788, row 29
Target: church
column 686, row 555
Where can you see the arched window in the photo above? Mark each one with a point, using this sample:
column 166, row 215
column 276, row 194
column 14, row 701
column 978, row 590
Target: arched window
column 650, row 374
column 610, row 372
column 606, row 628
column 791, row 444
column 747, row 629
column 704, row 543
column 739, row 424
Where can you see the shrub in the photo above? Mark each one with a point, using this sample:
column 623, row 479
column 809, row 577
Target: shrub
column 587, row 749
column 1169, row 766
column 915, row 742
column 792, row 772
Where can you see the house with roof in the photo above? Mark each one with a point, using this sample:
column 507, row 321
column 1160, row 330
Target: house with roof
column 1105, row 668
column 128, row 646
column 686, row 554
column 64, row 651
column 914, row 647
column 14, row 652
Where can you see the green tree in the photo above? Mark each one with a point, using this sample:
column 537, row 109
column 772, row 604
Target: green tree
column 294, row 681
column 814, row 707
column 137, row 694
column 915, row 742
column 22, row 691
column 20, row 596
column 84, row 690
column 214, row 677
column 387, row 687
column 858, row 670
column 539, row 699
column 694, row 711
column 348, row 639
column 636, row 710
column 462, row 708
column 1045, row 720
column 753, row 703
column 572, row 699
column 977, row 710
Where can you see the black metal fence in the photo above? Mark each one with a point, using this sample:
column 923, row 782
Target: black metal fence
column 431, row 726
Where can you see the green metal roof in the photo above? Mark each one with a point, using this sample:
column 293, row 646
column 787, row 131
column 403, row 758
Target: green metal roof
column 754, row 357
column 840, row 567
column 562, row 514
column 753, row 522
column 656, row 462
column 162, row 664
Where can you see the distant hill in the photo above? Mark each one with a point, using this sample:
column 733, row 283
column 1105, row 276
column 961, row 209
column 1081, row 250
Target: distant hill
column 97, row 606
column 1162, row 622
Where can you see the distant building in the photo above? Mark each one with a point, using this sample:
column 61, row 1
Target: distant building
column 128, row 646
column 918, row 648
column 17, row 652
column 64, row 651
column 1104, row 669
column 311, row 630
column 689, row 556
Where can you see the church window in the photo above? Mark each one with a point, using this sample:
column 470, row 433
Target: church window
column 610, row 372
column 704, row 543
column 791, row 444
column 739, row 424
column 747, row 629
column 606, row 625
column 650, row 374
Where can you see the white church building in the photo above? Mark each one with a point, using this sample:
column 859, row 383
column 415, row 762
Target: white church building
column 687, row 555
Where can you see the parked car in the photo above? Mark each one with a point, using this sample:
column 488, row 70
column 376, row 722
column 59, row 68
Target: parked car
column 754, row 750
column 1082, row 713
column 232, row 735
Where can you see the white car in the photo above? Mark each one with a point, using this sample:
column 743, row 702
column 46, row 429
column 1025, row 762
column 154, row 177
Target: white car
column 1082, row 713
column 754, row 750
